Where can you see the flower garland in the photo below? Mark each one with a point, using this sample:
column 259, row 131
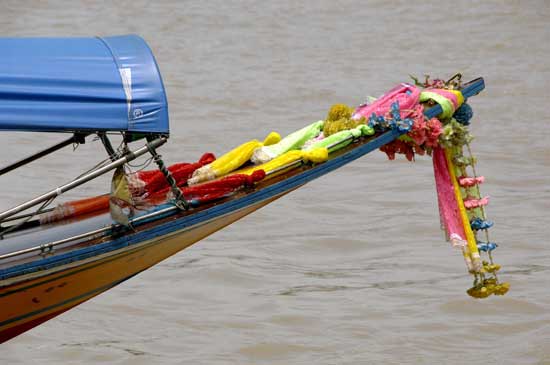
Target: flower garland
column 422, row 137
column 449, row 133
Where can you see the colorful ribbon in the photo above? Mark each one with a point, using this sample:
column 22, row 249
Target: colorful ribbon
column 317, row 155
column 231, row 161
column 472, row 244
column 406, row 95
column 449, row 100
column 340, row 139
column 293, row 141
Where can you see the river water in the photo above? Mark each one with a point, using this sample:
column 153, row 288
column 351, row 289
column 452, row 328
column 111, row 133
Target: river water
column 352, row 268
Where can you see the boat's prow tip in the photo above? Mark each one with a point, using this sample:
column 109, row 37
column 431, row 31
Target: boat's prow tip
column 473, row 87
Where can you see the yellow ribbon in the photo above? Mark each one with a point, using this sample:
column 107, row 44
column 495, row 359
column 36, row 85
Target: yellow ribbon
column 459, row 97
column 317, row 155
column 236, row 157
column 231, row 160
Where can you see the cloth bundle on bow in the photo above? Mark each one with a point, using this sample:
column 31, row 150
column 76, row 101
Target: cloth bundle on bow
column 145, row 184
column 449, row 100
column 403, row 103
column 231, row 161
column 339, row 139
column 76, row 208
column 406, row 95
column 293, row 141
column 288, row 159
column 223, row 187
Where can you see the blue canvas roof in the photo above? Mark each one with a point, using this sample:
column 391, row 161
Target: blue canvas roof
column 81, row 84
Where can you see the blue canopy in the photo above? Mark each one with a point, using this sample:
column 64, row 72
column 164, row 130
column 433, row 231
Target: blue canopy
column 81, row 84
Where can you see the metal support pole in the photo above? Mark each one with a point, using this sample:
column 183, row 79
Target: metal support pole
column 76, row 138
column 83, row 179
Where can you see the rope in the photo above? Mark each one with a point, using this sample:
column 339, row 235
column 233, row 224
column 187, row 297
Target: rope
column 181, row 202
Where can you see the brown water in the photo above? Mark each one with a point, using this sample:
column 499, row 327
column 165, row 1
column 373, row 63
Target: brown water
column 351, row 269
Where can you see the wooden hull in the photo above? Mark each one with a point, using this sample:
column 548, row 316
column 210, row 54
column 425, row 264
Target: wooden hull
column 40, row 282
column 35, row 290
column 32, row 300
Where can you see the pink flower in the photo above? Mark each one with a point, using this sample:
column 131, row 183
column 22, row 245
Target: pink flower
column 418, row 131
column 471, row 203
column 466, row 181
column 435, row 128
column 400, row 147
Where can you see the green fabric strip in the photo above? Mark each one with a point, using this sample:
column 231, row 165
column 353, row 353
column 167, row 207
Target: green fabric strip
column 446, row 104
column 342, row 139
column 293, row 141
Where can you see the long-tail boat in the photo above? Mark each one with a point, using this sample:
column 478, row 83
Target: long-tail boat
column 52, row 259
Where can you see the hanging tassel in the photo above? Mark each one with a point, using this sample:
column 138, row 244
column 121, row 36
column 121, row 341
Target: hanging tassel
column 486, row 246
column 478, row 224
column 472, row 245
column 471, row 203
column 466, row 181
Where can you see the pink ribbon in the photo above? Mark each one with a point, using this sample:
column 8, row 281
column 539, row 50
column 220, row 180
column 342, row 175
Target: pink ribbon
column 446, row 94
column 406, row 95
column 448, row 206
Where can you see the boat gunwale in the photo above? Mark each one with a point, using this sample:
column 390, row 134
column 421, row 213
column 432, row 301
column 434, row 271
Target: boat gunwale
column 101, row 256
column 234, row 203
column 186, row 219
